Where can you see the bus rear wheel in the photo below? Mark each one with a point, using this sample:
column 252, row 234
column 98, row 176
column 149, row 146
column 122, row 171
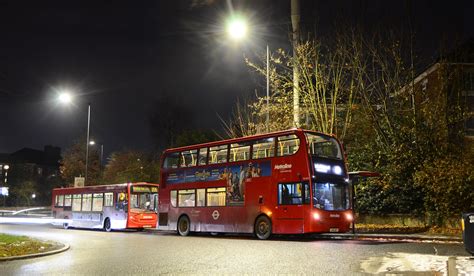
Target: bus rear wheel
column 107, row 225
column 66, row 225
column 263, row 228
column 184, row 226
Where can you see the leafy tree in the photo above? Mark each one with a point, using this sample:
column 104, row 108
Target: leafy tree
column 74, row 165
column 48, row 183
column 131, row 166
column 363, row 90
column 168, row 118
column 23, row 192
column 23, row 182
column 191, row 137
column 448, row 183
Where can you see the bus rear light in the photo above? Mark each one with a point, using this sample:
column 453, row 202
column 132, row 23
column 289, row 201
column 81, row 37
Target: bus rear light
column 349, row 217
column 316, row 216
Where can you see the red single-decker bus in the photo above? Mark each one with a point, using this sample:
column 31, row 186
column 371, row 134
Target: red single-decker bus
column 108, row 207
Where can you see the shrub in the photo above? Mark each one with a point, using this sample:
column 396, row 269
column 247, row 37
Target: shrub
column 448, row 184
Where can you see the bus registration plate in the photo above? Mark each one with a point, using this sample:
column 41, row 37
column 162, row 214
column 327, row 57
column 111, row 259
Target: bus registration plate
column 333, row 230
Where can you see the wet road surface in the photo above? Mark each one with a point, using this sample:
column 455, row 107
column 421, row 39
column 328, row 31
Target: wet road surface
column 151, row 252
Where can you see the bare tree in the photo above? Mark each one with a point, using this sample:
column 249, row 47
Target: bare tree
column 328, row 85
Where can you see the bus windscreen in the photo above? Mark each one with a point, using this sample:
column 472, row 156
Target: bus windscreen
column 331, row 196
column 142, row 197
column 323, row 146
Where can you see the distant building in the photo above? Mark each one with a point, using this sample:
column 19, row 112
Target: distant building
column 443, row 87
column 30, row 173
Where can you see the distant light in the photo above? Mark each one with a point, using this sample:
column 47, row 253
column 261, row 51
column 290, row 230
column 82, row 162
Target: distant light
column 92, row 143
column 65, row 98
column 237, row 28
column 6, row 167
column 4, row 191
column 33, row 196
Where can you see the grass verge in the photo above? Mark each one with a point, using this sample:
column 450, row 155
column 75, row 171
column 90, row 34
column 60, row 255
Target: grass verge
column 389, row 228
column 11, row 245
column 404, row 229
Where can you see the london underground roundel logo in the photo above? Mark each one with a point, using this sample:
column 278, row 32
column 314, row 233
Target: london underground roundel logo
column 215, row 214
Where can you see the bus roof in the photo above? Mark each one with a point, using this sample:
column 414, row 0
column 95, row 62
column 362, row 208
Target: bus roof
column 110, row 186
column 245, row 138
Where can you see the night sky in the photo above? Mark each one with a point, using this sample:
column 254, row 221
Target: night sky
column 121, row 56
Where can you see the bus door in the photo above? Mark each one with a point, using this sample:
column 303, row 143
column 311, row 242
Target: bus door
column 289, row 212
column 155, row 202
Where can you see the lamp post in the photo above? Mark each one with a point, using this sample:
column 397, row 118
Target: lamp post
column 237, row 30
column 268, row 88
column 92, row 143
column 4, row 190
column 87, row 142
column 66, row 98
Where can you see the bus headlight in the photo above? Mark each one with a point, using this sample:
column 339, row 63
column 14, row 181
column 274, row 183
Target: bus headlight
column 349, row 217
column 337, row 170
column 316, row 216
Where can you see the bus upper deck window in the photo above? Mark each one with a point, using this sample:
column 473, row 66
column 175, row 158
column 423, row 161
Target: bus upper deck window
column 263, row 148
column 239, row 152
column 188, row 158
column 288, row 145
column 218, row 154
column 171, row 160
column 202, row 156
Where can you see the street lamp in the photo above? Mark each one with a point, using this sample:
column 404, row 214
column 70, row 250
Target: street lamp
column 5, row 168
column 237, row 30
column 65, row 98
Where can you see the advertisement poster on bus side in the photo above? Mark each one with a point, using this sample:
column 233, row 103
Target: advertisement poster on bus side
column 235, row 177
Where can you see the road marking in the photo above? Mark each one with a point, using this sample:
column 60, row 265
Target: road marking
column 405, row 262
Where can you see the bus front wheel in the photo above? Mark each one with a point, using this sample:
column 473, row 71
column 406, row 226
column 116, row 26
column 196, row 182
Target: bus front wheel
column 107, row 225
column 184, row 226
column 263, row 227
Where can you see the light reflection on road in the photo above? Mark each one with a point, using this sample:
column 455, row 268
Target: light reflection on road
column 95, row 252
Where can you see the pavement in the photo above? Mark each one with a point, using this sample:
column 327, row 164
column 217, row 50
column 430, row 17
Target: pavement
column 399, row 237
column 455, row 265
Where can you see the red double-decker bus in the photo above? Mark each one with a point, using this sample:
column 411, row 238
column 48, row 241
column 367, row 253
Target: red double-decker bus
column 286, row 182
column 108, row 207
